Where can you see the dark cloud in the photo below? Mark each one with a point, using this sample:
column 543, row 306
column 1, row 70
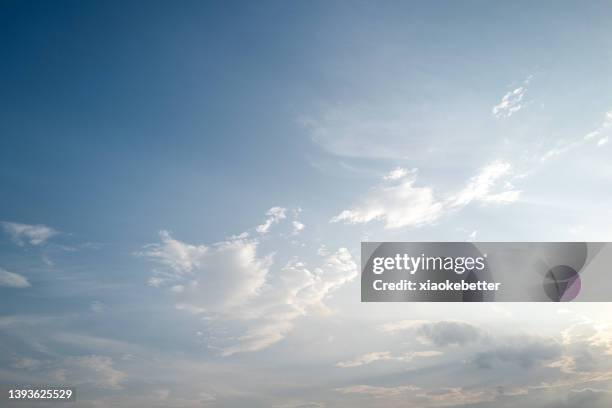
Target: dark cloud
column 525, row 352
column 589, row 398
column 446, row 333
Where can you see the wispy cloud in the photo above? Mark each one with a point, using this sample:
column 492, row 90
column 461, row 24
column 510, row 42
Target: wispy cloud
column 511, row 102
column 600, row 136
column 23, row 234
column 369, row 358
column 399, row 202
column 13, row 280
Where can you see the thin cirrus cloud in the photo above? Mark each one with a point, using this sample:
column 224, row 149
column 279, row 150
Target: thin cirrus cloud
column 231, row 281
column 13, row 280
column 399, row 202
column 26, row 234
column 600, row 136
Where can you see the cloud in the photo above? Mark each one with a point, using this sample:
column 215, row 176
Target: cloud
column 297, row 227
column 396, row 174
column 441, row 333
column 27, row 363
column 308, row 404
column 398, row 202
column 215, row 278
column 511, row 102
column 397, row 205
column 410, row 395
column 369, row 358
column 589, row 398
column 13, row 280
column 274, row 216
column 23, row 234
column 524, row 352
column 93, row 369
column 296, row 291
column 229, row 281
column 378, row 391
column 601, row 136
column 479, row 187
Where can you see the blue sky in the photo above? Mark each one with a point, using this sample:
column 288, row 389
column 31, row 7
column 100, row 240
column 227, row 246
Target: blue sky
column 185, row 187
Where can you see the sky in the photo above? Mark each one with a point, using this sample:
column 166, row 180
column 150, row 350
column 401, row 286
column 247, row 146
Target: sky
column 184, row 187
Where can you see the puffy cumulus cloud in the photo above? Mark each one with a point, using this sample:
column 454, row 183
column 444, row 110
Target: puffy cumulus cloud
column 178, row 256
column 25, row 234
column 230, row 281
column 13, row 280
column 396, row 174
column 441, row 333
column 587, row 349
column 296, row 290
column 297, row 227
column 399, row 202
column 511, row 102
column 274, row 216
column 369, row 358
column 216, row 279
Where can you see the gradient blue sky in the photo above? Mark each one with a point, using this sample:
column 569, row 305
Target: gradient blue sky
column 150, row 150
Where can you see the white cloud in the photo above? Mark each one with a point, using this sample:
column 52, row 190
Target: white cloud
column 23, row 234
column 400, row 203
column 230, row 281
column 369, row 358
column 366, row 359
column 511, row 102
column 601, row 135
column 297, row 291
column 13, row 280
column 297, row 227
column 216, row 278
column 396, row 174
column 479, row 187
column 181, row 258
column 274, row 216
